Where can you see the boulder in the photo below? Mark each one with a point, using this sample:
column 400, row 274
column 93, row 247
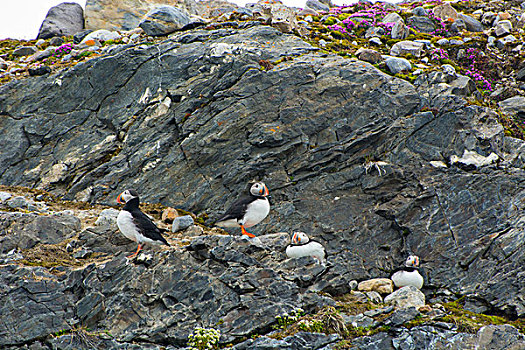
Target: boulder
column 392, row 17
column 514, row 105
column 406, row 297
column 317, row 5
column 399, row 31
column 164, row 20
column 126, row 15
column 445, row 12
column 472, row 24
column 64, row 19
column 380, row 285
column 407, row 47
column 421, row 24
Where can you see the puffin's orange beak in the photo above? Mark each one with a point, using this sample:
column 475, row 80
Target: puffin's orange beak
column 264, row 191
column 120, row 200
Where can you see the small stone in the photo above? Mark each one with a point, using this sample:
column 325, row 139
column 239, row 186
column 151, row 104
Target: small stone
column 421, row 24
column 425, row 309
column 407, row 47
column 458, row 26
column 79, row 36
column 322, row 42
column 361, row 297
column 398, row 64
column 380, row 285
column 379, row 311
column 24, row 51
column 4, row 196
column 40, row 42
column 169, row 214
column 448, row 69
column 69, row 248
column 181, row 223
column 107, row 217
column 374, row 40
column 399, row 31
column 456, row 42
column 503, row 28
column 509, row 39
column 408, row 296
column 56, row 41
column 100, row 35
column 374, row 32
column 374, row 297
column 353, row 284
column 359, row 320
column 82, row 254
column 442, row 42
column 368, row 55
column 18, row 202
column 488, row 18
column 66, row 58
column 40, row 70
column 3, row 64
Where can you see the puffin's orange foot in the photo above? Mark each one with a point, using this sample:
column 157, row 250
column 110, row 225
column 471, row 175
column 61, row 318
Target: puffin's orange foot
column 244, row 232
column 136, row 253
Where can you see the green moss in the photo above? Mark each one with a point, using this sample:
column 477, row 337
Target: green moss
column 330, row 21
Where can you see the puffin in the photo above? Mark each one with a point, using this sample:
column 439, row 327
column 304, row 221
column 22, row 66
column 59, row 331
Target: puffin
column 408, row 275
column 248, row 210
column 301, row 245
column 136, row 225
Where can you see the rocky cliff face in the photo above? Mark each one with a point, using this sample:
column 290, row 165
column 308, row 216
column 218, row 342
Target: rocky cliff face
column 370, row 165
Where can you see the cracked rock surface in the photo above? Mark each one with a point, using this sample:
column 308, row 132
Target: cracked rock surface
column 345, row 149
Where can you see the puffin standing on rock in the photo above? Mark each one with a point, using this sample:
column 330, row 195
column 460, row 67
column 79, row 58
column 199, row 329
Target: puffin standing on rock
column 248, row 210
column 408, row 275
column 136, row 225
column 302, row 246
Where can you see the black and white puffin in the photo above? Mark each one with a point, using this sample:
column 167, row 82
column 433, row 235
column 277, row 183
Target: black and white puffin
column 248, row 210
column 136, row 225
column 408, row 275
column 302, row 246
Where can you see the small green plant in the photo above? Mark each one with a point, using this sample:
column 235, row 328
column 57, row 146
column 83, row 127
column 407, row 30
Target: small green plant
column 315, row 326
column 204, row 339
column 288, row 319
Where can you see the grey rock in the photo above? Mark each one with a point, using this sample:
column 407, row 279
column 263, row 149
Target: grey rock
column 82, row 254
column 359, row 320
column 374, row 297
column 513, row 105
column 419, row 11
column 398, row 64
column 406, row 297
column 445, row 11
column 392, row 17
column 379, row 311
column 101, row 35
column 458, row 26
column 401, row 316
column 64, row 19
column 520, row 75
column 374, row 32
column 80, row 35
column 107, row 217
column 164, row 20
column 503, row 28
column 374, row 40
column 442, row 42
column 399, row 31
column 40, row 55
column 4, row 196
column 368, row 55
column 24, row 50
column 509, row 39
column 317, row 5
column 19, row 202
column 3, row 64
column 456, row 42
column 407, row 47
column 421, row 24
column 488, row 18
column 472, row 24
column 56, row 41
column 181, row 223
column 353, row 285
column 40, row 70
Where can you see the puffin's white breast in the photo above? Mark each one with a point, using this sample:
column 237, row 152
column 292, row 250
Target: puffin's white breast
column 313, row 249
column 406, row 278
column 127, row 226
column 256, row 211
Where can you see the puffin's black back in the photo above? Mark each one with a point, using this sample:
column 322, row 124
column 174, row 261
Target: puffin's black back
column 144, row 224
column 238, row 208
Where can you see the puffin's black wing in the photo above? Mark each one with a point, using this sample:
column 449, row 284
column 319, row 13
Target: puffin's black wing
column 237, row 209
column 146, row 227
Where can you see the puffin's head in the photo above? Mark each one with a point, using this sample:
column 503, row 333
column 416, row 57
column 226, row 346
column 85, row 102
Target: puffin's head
column 259, row 189
column 300, row 238
column 125, row 196
column 412, row 261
